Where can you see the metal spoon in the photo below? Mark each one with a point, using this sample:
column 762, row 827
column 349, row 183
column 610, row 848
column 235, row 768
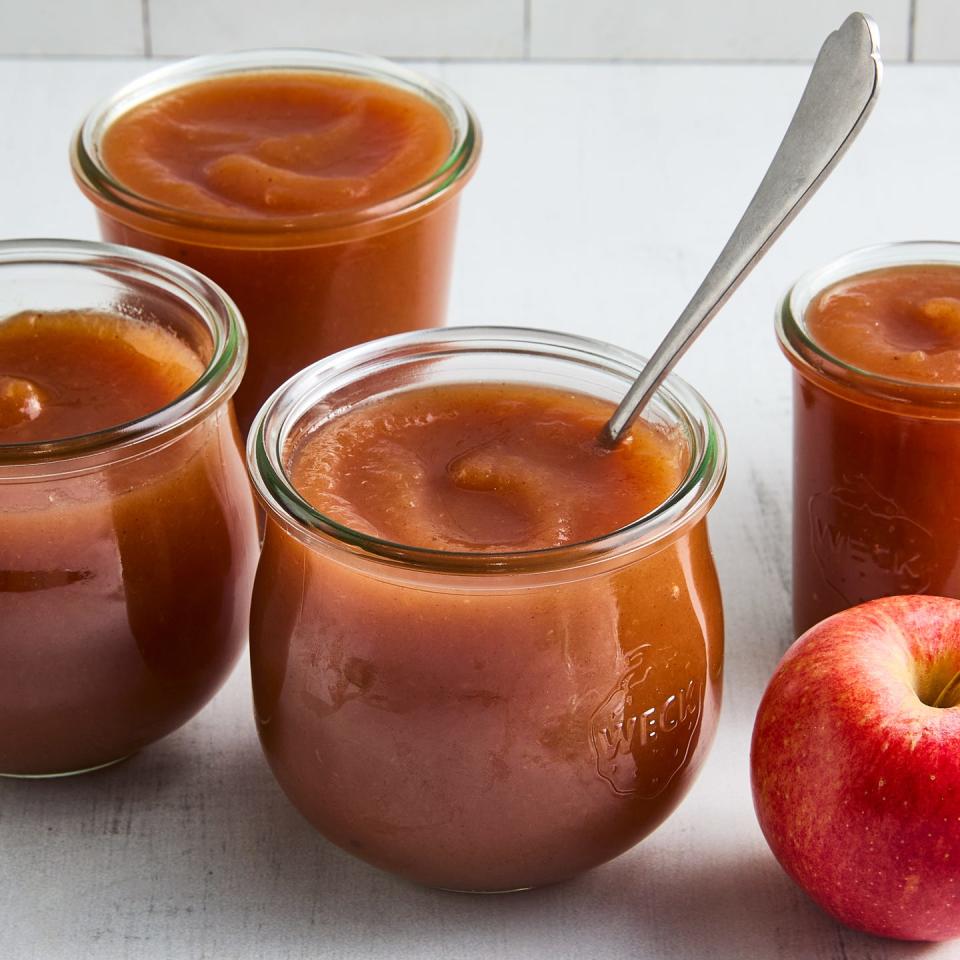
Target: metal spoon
column 839, row 95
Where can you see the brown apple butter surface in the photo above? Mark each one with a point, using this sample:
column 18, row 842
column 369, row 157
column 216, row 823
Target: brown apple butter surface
column 63, row 374
column 484, row 467
column 278, row 143
column 901, row 322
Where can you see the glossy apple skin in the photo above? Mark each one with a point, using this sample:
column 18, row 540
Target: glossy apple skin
column 856, row 781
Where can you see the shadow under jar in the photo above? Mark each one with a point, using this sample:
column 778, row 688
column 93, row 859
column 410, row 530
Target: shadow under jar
column 475, row 720
column 874, row 339
column 127, row 553
column 319, row 189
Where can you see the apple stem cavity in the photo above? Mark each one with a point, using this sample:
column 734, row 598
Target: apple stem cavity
column 950, row 694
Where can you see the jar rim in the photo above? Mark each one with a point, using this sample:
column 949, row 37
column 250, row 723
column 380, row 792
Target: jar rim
column 96, row 180
column 691, row 499
column 808, row 356
column 203, row 298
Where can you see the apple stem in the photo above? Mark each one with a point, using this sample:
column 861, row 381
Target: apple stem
column 947, row 696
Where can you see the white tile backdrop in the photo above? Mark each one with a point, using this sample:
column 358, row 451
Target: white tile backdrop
column 399, row 28
column 72, row 27
column 703, row 29
column 475, row 29
column 937, row 30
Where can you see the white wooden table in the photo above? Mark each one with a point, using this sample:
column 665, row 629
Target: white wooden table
column 602, row 197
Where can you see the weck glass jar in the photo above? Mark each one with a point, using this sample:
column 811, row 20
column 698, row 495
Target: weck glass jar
column 485, row 721
column 876, row 435
column 301, row 181
column 127, row 553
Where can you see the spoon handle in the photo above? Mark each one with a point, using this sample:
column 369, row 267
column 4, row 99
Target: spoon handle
column 839, row 95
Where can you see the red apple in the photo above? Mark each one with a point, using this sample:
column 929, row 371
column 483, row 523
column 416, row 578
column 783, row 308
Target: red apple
column 855, row 766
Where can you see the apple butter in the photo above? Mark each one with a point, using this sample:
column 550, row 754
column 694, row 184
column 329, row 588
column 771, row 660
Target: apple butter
column 318, row 189
column 875, row 343
column 127, row 530
column 486, row 651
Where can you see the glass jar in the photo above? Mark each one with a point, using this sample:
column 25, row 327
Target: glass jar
column 875, row 461
column 485, row 721
column 126, row 555
column 307, row 285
